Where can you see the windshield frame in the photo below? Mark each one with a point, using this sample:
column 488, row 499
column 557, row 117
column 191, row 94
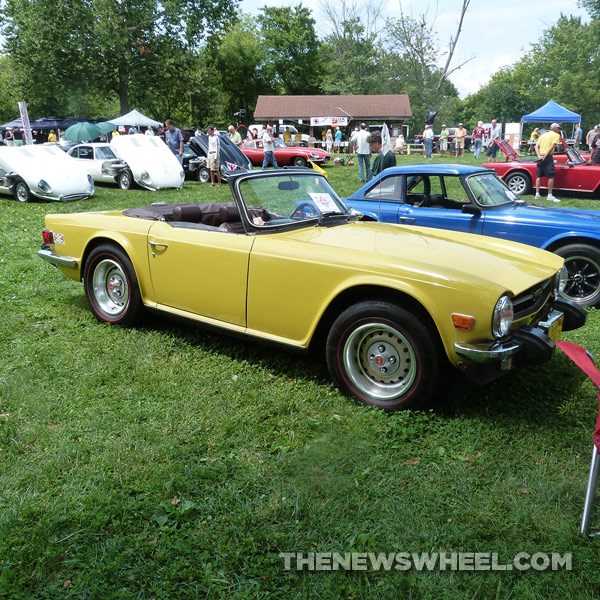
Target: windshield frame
column 511, row 198
column 248, row 208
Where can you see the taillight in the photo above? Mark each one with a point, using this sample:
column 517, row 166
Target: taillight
column 47, row 236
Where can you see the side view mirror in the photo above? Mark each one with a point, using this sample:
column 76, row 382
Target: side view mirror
column 470, row 209
column 356, row 213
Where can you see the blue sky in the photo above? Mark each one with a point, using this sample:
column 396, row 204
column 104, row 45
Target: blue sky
column 495, row 33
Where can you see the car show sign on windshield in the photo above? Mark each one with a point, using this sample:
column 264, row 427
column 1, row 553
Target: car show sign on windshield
column 316, row 121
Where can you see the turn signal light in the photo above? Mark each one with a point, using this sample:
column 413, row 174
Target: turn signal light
column 464, row 322
column 47, row 236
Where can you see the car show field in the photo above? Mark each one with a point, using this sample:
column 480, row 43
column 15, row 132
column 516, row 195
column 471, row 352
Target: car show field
column 164, row 456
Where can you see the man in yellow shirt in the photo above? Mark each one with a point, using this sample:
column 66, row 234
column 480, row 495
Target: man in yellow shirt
column 544, row 150
column 287, row 136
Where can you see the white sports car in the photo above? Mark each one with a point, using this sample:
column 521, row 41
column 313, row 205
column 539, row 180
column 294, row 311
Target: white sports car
column 42, row 171
column 102, row 164
column 152, row 165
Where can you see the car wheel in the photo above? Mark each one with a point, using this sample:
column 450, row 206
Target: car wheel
column 22, row 192
column 583, row 266
column 384, row 355
column 111, row 286
column 125, row 179
column 203, row 175
column 519, row 183
column 299, row 161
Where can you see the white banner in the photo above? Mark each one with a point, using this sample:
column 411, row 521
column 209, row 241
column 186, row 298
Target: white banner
column 322, row 121
column 26, row 123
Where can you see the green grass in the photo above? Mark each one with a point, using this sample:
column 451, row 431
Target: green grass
column 165, row 462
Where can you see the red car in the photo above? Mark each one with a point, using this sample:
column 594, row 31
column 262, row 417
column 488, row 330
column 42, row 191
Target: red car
column 284, row 155
column 519, row 174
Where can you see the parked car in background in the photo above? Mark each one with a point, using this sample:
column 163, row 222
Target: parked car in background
column 469, row 145
column 44, row 172
column 475, row 200
column 573, row 173
column 288, row 263
column 284, row 155
column 151, row 164
column 194, row 166
column 102, row 164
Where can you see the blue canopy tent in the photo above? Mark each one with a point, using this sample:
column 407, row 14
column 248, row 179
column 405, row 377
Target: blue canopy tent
column 551, row 112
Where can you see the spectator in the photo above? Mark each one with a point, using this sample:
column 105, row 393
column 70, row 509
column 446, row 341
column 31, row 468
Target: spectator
column 234, row 135
column 174, row 139
column 338, row 139
column 329, row 141
column 459, row 140
column 8, row 136
column 353, row 144
column 52, row 136
column 213, row 159
column 544, row 150
column 577, row 135
column 132, row 130
column 495, row 134
column 267, row 140
column 591, row 134
column 595, row 151
column 298, row 138
column 17, row 135
column 363, row 153
column 254, row 133
column 382, row 161
column 428, row 136
column 478, row 133
column 533, row 138
column 400, row 143
column 444, row 133
column 149, row 130
column 287, row 136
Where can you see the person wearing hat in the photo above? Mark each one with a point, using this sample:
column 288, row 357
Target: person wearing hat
column 544, row 150
column 459, row 140
column 444, row 134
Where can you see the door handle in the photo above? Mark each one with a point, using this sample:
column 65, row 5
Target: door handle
column 158, row 245
column 407, row 219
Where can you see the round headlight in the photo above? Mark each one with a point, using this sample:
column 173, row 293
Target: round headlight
column 145, row 175
column 44, row 186
column 503, row 317
column 560, row 280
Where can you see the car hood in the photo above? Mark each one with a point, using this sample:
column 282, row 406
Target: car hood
column 561, row 218
column 153, row 165
column 450, row 257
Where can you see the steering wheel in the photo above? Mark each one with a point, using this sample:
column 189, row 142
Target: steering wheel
column 425, row 201
column 300, row 211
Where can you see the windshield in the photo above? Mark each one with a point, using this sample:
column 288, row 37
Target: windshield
column 104, row 153
column 278, row 143
column 490, row 190
column 290, row 198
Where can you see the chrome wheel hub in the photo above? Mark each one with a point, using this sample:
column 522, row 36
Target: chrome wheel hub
column 110, row 287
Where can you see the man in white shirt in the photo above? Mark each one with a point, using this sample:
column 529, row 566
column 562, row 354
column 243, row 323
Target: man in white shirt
column 495, row 134
column 267, row 140
column 363, row 153
column 213, row 160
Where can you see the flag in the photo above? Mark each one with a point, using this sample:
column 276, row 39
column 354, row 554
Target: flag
column 386, row 143
column 231, row 166
column 317, row 168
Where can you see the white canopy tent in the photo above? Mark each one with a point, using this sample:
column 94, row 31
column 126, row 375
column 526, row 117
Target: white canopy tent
column 135, row 118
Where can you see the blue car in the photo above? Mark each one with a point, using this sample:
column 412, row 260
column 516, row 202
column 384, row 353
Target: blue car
column 476, row 200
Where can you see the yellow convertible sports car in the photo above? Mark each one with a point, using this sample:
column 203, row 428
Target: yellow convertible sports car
column 287, row 262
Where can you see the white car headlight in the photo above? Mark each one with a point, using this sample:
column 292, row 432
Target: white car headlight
column 560, row 280
column 145, row 175
column 503, row 317
column 44, row 186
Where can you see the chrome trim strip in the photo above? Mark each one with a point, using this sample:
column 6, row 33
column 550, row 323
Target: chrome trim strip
column 484, row 352
column 57, row 260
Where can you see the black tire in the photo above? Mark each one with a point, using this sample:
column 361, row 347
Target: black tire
column 22, row 192
column 125, row 179
column 299, row 161
column 583, row 266
column 203, row 175
column 519, row 183
column 111, row 286
column 384, row 355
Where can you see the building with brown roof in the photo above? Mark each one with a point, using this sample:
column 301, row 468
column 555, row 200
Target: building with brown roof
column 323, row 111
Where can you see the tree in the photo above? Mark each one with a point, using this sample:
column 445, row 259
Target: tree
column 65, row 48
column 292, row 48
